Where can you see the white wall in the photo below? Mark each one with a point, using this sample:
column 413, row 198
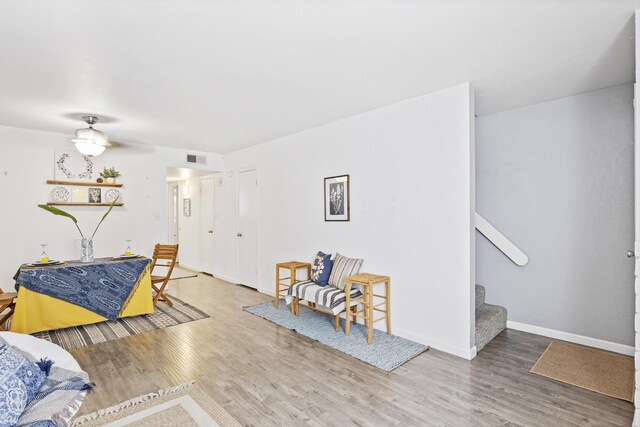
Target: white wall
column 27, row 161
column 557, row 179
column 411, row 168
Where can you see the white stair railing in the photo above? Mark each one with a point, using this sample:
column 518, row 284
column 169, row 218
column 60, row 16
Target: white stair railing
column 500, row 241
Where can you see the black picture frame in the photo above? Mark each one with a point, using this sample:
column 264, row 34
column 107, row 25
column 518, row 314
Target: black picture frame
column 337, row 198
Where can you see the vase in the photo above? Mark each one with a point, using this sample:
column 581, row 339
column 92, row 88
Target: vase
column 86, row 248
column 111, row 180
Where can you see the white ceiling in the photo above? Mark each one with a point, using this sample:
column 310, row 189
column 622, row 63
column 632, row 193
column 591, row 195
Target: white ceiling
column 221, row 75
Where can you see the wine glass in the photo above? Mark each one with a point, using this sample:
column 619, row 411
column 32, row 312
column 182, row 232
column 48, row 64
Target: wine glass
column 128, row 252
column 44, row 258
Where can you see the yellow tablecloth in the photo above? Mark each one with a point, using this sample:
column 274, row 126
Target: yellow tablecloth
column 37, row 312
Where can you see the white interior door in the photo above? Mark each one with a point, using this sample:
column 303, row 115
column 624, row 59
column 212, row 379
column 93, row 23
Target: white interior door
column 247, row 234
column 206, row 225
column 636, row 245
column 173, row 214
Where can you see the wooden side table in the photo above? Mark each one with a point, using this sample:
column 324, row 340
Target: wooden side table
column 367, row 282
column 293, row 267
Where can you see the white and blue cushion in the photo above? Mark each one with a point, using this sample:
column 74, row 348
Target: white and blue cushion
column 20, row 381
column 321, row 269
column 343, row 267
column 327, row 297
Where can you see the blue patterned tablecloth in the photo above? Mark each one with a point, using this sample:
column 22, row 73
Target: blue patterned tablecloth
column 103, row 286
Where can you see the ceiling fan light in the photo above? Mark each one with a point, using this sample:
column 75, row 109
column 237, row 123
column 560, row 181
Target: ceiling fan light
column 91, row 134
column 90, row 141
column 88, row 148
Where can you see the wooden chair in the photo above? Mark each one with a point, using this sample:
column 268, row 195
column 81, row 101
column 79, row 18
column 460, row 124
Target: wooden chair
column 169, row 254
column 7, row 301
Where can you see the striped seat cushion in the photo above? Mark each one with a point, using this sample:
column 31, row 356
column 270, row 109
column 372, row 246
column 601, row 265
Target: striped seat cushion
column 343, row 267
column 330, row 298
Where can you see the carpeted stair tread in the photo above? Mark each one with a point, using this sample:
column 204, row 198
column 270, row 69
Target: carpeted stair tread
column 490, row 321
column 480, row 295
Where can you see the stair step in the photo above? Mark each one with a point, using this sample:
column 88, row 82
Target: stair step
column 480, row 295
column 490, row 321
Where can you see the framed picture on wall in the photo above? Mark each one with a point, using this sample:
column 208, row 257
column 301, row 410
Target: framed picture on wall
column 95, row 195
column 336, row 198
column 186, row 206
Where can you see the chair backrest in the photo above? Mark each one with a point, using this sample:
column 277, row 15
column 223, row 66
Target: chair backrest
column 165, row 252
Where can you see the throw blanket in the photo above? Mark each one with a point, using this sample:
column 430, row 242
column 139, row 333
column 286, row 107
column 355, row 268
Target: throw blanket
column 59, row 398
column 326, row 296
column 103, row 287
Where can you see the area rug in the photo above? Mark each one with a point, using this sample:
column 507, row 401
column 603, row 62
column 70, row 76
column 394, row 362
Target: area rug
column 184, row 405
column 386, row 352
column 596, row 370
column 163, row 317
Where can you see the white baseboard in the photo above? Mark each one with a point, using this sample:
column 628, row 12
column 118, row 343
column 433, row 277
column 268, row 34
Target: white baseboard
column 225, row 278
column 574, row 338
column 468, row 353
column 188, row 267
column 267, row 291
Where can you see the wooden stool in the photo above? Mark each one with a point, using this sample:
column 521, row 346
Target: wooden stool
column 7, row 301
column 293, row 267
column 367, row 282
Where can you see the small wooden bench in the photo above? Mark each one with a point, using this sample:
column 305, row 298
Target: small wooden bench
column 352, row 297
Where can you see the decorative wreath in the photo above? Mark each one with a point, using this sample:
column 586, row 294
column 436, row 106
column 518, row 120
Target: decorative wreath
column 86, row 174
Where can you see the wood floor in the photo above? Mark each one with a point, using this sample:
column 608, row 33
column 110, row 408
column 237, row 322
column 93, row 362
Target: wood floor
column 264, row 375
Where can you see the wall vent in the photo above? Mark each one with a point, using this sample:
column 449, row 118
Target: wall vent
column 193, row 158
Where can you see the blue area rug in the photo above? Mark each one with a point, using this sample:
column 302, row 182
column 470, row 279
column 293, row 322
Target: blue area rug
column 386, row 352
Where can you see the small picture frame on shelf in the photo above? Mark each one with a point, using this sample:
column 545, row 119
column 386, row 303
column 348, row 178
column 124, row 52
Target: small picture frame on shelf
column 79, row 195
column 95, row 195
column 336, row 198
column 186, row 206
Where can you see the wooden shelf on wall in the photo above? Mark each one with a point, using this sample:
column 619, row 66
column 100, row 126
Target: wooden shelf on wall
column 82, row 204
column 83, row 183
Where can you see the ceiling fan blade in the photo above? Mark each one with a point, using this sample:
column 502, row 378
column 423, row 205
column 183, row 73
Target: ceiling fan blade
column 131, row 148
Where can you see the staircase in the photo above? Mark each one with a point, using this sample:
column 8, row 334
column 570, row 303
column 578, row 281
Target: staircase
column 490, row 319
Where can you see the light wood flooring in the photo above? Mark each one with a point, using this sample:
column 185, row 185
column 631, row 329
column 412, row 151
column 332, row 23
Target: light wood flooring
column 263, row 374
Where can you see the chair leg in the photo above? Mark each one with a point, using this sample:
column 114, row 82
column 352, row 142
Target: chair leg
column 354, row 309
column 337, row 316
column 160, row 293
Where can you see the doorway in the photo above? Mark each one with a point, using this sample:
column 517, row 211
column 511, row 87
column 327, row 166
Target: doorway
column 188, row 203
column 247, row 235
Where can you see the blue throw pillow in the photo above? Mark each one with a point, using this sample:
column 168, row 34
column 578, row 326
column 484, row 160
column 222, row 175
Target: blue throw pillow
column 20, row 381
column 321, row 269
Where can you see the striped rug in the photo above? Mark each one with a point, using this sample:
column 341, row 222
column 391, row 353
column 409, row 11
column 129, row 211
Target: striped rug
column 164, row 317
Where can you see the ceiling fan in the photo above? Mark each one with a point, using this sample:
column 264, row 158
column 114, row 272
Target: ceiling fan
column 90, row 141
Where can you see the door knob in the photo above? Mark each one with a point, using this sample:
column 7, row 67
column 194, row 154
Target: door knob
column 631, row 254
column 239, row 234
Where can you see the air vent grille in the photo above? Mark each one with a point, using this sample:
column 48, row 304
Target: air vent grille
column 193, row 158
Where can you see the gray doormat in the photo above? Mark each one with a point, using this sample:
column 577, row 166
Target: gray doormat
column 386, row 352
